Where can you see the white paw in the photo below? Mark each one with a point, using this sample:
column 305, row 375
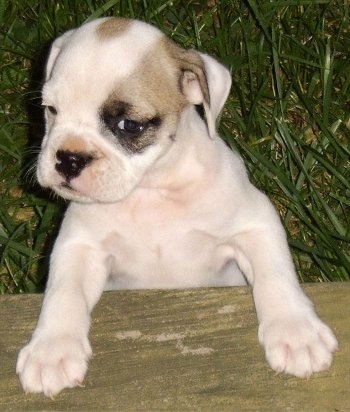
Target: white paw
column 299, row 345
column 50, row 364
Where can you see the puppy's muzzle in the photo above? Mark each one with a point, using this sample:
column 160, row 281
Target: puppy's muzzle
column 70, row 164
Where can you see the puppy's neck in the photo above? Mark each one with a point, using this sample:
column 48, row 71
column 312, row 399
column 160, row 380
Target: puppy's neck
column 186, row 165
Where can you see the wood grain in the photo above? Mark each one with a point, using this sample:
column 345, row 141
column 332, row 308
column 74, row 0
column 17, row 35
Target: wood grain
column 180, row 350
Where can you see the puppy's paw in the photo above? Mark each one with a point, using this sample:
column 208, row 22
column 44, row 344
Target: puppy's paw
column 299, row 345
column 50, row 364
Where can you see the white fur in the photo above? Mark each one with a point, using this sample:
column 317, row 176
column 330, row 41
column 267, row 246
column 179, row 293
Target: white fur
column 181, row 214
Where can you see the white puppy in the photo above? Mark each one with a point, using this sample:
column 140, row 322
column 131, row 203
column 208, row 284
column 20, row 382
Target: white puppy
column 157, row 200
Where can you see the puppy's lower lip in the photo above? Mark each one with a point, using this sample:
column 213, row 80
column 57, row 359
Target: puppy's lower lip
column 66, row 185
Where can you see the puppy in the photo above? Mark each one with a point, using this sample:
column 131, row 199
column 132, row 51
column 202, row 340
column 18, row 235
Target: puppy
column 157, row 200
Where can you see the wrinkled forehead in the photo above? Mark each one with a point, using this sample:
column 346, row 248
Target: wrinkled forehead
column 99, row 54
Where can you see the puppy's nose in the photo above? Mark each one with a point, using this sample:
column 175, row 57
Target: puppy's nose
column 70, row 164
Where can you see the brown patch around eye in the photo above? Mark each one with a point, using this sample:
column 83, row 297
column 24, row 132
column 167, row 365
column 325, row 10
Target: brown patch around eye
column 138, row 143
column 115, row 116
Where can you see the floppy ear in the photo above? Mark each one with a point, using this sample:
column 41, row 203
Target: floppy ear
column 219, row 82
column 56, row 47
column 205, row 81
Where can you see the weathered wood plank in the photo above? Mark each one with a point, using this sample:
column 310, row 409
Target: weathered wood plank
column 183, row 350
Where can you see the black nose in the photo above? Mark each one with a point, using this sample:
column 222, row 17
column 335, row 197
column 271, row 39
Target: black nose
column 69, row 164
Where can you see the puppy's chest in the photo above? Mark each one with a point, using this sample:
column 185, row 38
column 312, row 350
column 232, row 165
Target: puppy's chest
column 161, row 250
column 155, row 258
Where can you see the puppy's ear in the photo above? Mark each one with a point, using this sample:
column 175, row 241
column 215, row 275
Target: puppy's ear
column 205, row 81
column 56, row 47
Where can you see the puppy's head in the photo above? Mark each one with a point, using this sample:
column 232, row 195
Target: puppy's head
column 114, row 94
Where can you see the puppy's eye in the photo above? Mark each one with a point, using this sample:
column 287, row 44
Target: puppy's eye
column 52, row 109
column 130, row 126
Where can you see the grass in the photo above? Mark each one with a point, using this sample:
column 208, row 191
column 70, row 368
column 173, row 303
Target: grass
column 288, row 115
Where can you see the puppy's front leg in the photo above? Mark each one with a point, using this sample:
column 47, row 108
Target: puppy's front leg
column 57, row 354
column 296, row 341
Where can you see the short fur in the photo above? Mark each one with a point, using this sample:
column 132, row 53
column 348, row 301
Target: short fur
column 157, row 200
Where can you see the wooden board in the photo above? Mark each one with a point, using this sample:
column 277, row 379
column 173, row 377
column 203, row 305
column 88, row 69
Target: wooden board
column 180, row 350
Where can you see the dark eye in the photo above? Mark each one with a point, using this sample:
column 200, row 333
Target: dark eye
column 52, row 109
column 130, row 126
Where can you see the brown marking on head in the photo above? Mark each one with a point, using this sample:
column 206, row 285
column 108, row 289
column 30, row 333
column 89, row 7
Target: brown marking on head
column 154, row 93
column 161, row 72
column 112, row 27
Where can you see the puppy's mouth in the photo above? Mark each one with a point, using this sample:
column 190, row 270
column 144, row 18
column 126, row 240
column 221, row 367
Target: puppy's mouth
column 88, row 176
column 68, row 192
column 66, row 185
